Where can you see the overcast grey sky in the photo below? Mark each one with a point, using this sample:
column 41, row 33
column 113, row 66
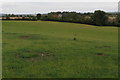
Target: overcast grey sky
column 59, row 0
column 45, row 7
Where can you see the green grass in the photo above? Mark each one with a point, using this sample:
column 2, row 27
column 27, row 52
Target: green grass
column 38, row 49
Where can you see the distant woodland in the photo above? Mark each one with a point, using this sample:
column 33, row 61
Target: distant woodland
column 99, row 18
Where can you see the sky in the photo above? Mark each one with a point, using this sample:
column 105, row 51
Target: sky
column 46, row 6
column 59, row 0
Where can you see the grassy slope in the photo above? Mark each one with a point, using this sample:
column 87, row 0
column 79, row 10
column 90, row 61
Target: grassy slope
column 24, row 43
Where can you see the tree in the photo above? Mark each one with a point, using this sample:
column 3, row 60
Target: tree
column 44, row 17
column 70, row 16
column 12, row 15
column 100, row 18
column 118, row 19
column 38, row 16
column 34, row 18
column 21, row 15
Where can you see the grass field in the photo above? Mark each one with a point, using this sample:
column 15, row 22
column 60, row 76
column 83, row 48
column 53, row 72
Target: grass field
column 38, row 49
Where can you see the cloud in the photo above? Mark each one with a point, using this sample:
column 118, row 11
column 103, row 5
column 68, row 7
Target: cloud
column 45, row 7
column 59, row 0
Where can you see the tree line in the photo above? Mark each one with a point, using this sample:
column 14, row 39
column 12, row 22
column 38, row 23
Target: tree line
column 99, row 18
column 19, row 17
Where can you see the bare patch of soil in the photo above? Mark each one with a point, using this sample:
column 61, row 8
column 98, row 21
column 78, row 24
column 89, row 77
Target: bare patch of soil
column 43, row 54
column 33, row 59
column 34, row 37
column 25, row 37
column 101, row 54
column 103, row 47
column 107, row 46
column 36, row 56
